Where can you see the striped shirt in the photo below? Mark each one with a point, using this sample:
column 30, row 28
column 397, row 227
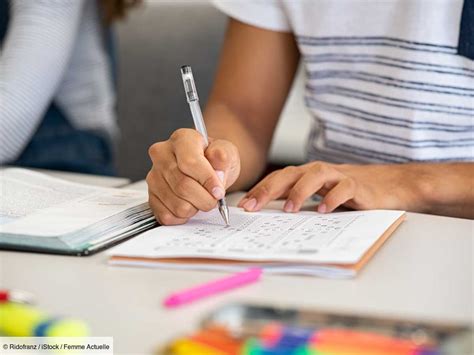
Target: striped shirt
column 386, row 81
column 53, row 51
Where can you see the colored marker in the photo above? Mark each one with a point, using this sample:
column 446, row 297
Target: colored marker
column 188, row 347
column 367, row 340
column 275, row 334
column 217, row 338
column 26, row 321
column 16, row 296
column 212, row 288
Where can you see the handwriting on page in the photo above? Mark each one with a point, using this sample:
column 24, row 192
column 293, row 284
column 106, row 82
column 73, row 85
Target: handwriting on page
column 256, row 233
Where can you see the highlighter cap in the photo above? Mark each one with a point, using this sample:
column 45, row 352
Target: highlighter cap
column 189, row 85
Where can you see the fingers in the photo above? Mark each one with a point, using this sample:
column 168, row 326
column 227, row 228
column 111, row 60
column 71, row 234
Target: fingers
column 183, row 180
column 224, row 158
column 178, row 207
column 272, row 187
column 298, row 184
column 187, row 189
column 188, row 148
column 311, row 182
column 163, row 215
column 344, row 191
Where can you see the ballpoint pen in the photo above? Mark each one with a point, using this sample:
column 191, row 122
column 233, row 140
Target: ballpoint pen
column 193, row 101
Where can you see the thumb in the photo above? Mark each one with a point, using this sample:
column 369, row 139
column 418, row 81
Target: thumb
column 224, row 158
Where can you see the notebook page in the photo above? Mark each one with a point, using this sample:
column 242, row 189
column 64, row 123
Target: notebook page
column 34, row 204
column 23, row 192
column 305, row 237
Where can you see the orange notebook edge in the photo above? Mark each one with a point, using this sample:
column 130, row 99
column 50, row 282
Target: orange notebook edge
column 374, row 248
column 356, row 267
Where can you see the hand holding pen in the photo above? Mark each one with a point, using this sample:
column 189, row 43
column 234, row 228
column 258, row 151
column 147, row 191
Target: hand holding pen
column 190, row 174
column 193, row 101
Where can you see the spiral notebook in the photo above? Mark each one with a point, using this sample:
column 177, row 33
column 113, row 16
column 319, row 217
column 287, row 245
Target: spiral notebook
column 335, row 245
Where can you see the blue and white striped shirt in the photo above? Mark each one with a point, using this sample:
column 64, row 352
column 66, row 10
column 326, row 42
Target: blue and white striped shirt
column 386, row 81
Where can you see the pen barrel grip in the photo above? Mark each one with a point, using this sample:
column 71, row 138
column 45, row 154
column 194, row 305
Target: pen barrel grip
column 198, row 119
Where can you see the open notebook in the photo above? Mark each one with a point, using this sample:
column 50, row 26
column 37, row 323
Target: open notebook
column 335, row 245
column 46, row 214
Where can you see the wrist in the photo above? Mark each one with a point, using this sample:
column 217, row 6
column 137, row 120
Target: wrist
column 423, row 188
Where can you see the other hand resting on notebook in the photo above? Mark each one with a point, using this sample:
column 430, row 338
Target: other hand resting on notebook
column 360, row 187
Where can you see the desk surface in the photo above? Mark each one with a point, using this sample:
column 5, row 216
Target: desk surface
column 424, row 271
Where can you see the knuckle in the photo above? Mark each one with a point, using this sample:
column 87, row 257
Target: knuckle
column 183, row 186
column 262, row 191
column 185, row 135
column 219, row 155
column 179, row 134
column 188, row 164
column 185, row 210
column 272, row 175
column 323, row 168
column 209, row 205
column 166, row 218
column 290, row 169
column 351, row 183
column 180, row 190
column 149, row 178
column 154, row 149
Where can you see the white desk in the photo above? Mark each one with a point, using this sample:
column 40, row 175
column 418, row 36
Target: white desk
column 424, row 271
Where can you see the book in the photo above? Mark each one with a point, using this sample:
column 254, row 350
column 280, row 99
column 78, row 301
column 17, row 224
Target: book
column 46, row 214
column 334, row 245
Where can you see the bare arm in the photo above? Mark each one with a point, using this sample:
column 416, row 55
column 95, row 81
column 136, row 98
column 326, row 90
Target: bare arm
column 443, row 189
column 253, row 79
column 446, row 189
column 254, row 76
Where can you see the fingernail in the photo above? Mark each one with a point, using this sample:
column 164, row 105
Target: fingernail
column 322, row 208
column 288, row 207
column 250, row 204
column 220, row 174
column 218, row 192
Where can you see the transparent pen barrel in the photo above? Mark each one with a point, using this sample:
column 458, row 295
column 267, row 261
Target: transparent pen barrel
column 198, row 119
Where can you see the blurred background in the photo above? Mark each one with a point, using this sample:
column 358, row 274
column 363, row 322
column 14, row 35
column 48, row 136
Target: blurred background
column 153, row 42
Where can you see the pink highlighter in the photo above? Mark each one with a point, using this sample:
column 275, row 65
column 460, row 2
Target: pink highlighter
column 213, row 287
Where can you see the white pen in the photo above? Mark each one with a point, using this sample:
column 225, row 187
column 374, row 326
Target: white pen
column 193, row 101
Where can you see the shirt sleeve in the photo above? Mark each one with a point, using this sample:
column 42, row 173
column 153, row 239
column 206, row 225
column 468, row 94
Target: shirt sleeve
column 34, row 56
column 267, row 14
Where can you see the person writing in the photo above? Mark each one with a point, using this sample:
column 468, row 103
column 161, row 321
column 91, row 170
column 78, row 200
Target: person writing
column 391, row 98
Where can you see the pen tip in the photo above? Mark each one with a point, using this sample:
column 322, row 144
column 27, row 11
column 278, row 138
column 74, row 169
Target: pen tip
column 225, row 215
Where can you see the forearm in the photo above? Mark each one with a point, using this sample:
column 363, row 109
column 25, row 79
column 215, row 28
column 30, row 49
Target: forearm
column 443, row 189
column 249, row 93
column 446, row 189
column 223, row 123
